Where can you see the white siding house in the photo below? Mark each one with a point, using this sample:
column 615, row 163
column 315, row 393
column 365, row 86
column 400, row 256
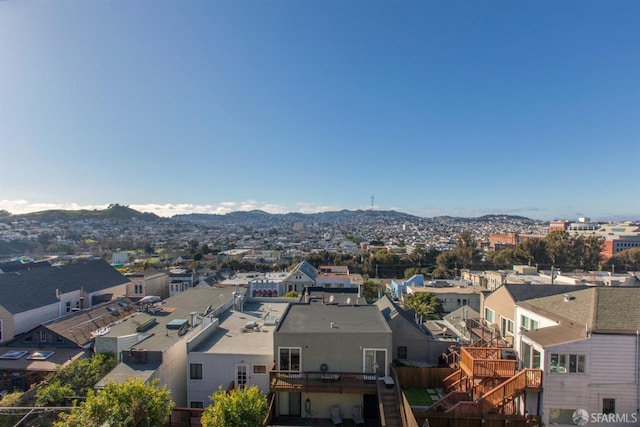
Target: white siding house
column 588, row 346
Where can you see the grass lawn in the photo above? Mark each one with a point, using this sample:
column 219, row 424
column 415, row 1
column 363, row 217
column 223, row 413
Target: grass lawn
column 418, row 397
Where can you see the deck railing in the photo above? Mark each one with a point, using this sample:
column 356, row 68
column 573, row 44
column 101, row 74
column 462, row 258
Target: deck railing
column 343, row 382
column 528, row 378
column 479, row 362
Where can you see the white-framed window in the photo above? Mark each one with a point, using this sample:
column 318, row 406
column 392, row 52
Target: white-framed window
column 43, row 336
column 374, row 360
column 528, row 324
column 241, row 377
column 567, row 363
column 506, row 326
column 531, row 357
column 289, row 358
column 489, row 315
column 195, row 371
column 137, row 289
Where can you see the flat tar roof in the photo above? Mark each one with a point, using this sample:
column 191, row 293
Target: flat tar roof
column 333, row 318
column 232, row 337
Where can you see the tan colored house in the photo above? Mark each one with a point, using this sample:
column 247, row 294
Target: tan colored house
column 498, row 308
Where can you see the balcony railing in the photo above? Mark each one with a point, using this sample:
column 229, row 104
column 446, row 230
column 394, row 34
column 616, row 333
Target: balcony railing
column 333, row 382
column 526, row 379
column 485, row 362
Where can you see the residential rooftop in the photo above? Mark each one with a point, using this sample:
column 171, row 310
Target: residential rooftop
column 333, row 319
column 598, row 309
column 174, row 309
column 234, row 337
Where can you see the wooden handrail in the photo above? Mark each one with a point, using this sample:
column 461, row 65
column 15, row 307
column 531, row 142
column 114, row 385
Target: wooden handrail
column 517, row 383
column 403, row 416
column 383, row 422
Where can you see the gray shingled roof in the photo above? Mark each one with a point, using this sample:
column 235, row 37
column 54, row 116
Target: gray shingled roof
column 601, row 309
column 524, row 292
column 26, row 290
column 390, row 311
column 307, row 269
column 554, row 335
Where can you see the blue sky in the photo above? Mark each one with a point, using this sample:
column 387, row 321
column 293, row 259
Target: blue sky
column 434, row 107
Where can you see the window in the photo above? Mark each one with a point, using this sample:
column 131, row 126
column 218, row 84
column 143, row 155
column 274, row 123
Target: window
column 197, row 404
column 608, row 405
column 561, row 416
column 195, row 371
column 375, row 361
column 528, row 324
column 260, row 369
column 535, row 359
column 241, row 376
column 524, row 322
column 137, row 289
column 510, row 326
column 571, row 363
column 534, row 324
column 576, row 363
column 489, row 315
column 289, row 359
column 402, row 352
column 68, row 306
column 43, row 336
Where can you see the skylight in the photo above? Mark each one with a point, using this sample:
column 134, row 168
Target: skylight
column 14, row 355
column 40, row 355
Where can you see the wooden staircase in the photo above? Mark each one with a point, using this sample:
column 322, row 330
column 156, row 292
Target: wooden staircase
column 390, row 411
column 499, row 399
column 496, row 400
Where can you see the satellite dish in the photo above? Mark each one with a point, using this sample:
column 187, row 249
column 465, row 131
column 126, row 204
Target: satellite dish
column 331, row 298
column 348, row 300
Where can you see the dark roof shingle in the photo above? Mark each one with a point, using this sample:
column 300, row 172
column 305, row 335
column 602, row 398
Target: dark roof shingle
column 30, row 289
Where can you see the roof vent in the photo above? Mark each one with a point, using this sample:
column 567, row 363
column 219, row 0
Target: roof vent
column 568, row 297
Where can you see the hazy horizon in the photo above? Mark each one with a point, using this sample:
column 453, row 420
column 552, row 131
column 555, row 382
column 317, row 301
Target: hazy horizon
column 457, row 108
column 168, row 211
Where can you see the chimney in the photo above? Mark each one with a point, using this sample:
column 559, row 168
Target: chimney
column 193, row 315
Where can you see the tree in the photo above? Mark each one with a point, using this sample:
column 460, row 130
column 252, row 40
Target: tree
column 75, row 379
column 130, row 404
column 505, row 259
column 237, row 408
column 558, row 248
column 466, row 249
column 446, row 263
column 426, row 305
column 628, row 260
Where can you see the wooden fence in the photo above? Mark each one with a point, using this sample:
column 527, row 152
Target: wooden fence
column 412, row 377
column 443, row 421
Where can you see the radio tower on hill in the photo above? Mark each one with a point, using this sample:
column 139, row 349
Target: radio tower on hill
column 372, row 202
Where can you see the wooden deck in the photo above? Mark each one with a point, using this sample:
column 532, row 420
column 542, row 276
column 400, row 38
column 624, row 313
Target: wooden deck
column 323, row 382
column 481, row 362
